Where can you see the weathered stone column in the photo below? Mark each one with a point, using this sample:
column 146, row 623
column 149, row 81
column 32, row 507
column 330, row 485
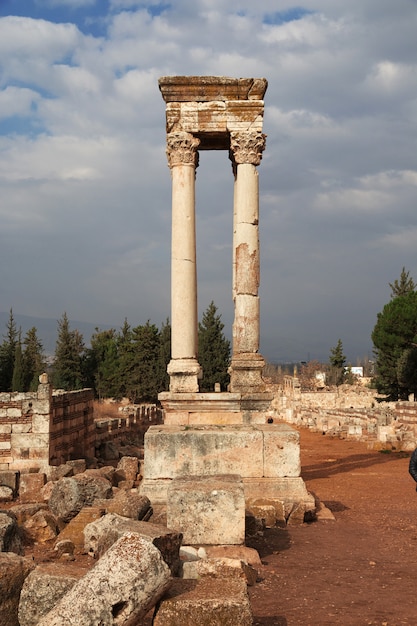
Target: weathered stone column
column 246, row 367
column 183, row 369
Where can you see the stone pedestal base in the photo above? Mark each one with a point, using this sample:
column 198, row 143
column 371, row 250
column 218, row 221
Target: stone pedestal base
column 246, row 373
column 215, row 408
column 266, row 456
column 184, row 375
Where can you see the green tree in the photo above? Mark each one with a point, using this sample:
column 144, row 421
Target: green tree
column 7, row 354
column 102, row 364
column 142, row 364
column 33, row 360
column 164, row 355
column 213, row 350
column 337, row 362
column 395, row 346
column 18, row 378
column 68, row 362
column 403, row 286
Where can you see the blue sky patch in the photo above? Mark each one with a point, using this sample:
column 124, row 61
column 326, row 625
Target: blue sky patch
column 281, row 17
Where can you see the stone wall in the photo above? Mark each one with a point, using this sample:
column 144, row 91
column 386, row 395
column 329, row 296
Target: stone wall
column 132, row 424
column 47, row 427
column 350, row 411
column 43, row 428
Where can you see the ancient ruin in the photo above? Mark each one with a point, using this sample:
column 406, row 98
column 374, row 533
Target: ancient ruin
column 219, row 433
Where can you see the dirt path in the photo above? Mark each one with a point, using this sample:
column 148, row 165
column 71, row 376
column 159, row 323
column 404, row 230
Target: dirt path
column 361, row 568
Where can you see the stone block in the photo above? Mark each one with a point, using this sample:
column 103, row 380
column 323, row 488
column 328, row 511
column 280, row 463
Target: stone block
column 207, row 509
column 243, row 553
column 123, row 586
column 215, row 602
column 271, row 512
column 288, row 490
column 74, row 530
column 30, row 487
column 13, row 571
column 9, row 479
column 100, row 535
column 281, row 450
column 43, row 588
column 172, row 451
column 130, row 466
column 5, row 429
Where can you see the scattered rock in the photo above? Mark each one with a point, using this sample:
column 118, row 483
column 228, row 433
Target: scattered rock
column 10, row 536
column 70, row 495
column 122, row 587
column 13, row 571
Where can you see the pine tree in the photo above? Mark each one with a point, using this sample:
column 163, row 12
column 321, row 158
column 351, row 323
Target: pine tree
column 103, row 364
column 143, row 372
column 337, row 362
column 395, row 345
column 213, row 350
column 18, row 378
column 7, row 354
column 33, row 360
column 164, row 356
column 68, row 363
column 403, row 286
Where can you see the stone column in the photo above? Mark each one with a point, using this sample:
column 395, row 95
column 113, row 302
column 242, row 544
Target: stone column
column 183, row 369
column 246, row 367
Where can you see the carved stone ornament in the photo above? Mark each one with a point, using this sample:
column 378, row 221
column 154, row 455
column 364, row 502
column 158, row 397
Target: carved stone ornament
column 247, row 147
column 182, row 149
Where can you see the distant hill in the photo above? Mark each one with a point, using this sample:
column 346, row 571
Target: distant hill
column 47, row 329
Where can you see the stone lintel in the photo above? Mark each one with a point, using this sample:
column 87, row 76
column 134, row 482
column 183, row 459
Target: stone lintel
column 209, row 88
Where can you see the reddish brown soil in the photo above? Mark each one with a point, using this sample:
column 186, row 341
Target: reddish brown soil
column 361, row 568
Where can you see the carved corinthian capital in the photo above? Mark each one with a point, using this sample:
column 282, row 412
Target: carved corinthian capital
column 247, row 147
column 182, row 149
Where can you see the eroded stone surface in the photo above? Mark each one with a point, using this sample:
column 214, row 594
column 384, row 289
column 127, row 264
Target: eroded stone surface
column 124, row 584
column 212, row 602
column 13, row 571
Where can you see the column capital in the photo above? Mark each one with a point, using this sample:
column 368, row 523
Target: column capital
column 182, row 149
column 247, row 147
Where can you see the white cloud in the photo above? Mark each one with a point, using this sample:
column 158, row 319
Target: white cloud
column 82, row 163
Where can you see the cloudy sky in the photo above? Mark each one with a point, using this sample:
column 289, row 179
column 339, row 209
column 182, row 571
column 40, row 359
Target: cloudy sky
column 85, row 190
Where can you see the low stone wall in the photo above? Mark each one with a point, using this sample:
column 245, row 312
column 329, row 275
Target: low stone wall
column 349, row 412
column 132, row 424
column 72, row 430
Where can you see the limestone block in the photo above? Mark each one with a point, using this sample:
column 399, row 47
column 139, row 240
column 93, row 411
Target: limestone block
column 288, row 490
column 242, row 553
column 70, row 495
column 129, row 504
column 215, row 602
column 100, row 535
column 222, row 567
column 32, row 440
column 40, row 423
column 130, row 466
column 5, row 429
column 124, row 584
column 271, row 512
column 13, row 571
column 30, row 486
column 10, row 539
column 208, row 509
column 10, row 479
column 173, row 451
column 6, row 494
column 19, row 429
column 23, row 512
column 74, row 530
column 5, row 445
column 281, row 450
column 41, row 527
column 43, row 588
